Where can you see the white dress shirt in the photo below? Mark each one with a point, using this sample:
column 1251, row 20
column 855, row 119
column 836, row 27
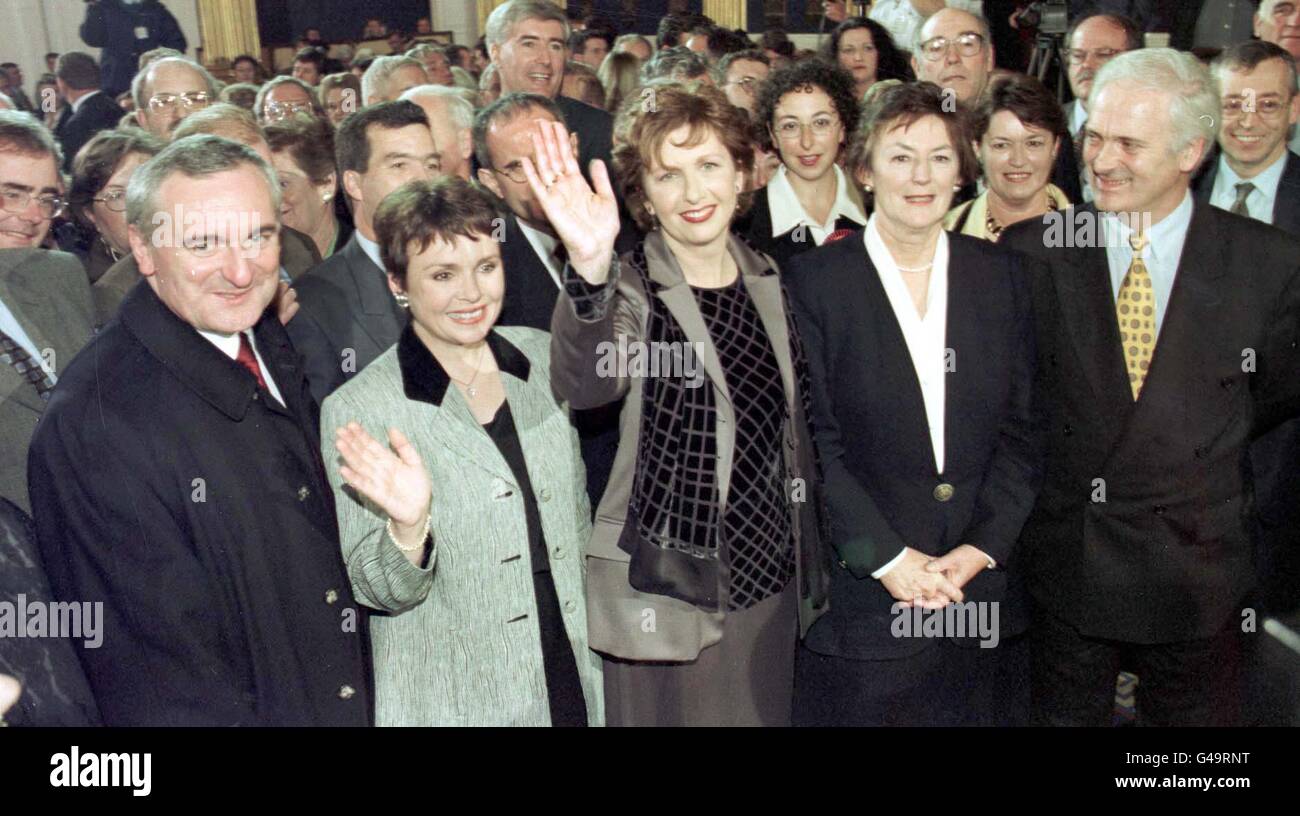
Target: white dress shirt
column 1078, row 118
column 787, row 213
column 925, row 336
column 228, row 344
column 10, row 326
column 544, row 244
column 1161, row 255
column 1261, row 200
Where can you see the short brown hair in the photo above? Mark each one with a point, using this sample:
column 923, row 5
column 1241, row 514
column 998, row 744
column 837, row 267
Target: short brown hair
column 99, row 159
column 1025, row 98
column 310, row 142
column 661, row 108
column 419, row 212
column 900, row 107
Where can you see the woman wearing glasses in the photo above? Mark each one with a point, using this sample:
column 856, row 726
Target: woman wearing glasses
column 808, row 109
column 865, row 49
column 302, row 152
column 1018, row 128
column 284, row 97
column 921, row 349
column 100, row 173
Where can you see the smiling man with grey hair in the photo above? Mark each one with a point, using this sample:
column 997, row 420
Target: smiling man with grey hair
column 176, row 475
column 1166, row 332
column 528, row 43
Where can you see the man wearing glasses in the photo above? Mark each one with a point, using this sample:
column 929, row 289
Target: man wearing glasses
column 1090, row 43
column 738, row 76
column 955, row 52
column 45, row 311
column 168, row 90
column 1278, row 22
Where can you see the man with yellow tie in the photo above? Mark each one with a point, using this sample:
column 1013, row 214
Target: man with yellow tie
column 1167, row 338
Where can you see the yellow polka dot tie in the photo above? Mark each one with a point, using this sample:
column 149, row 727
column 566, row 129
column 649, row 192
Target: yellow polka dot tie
column 1136, row 310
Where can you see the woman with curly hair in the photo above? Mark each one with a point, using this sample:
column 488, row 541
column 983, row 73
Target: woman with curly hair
column 866, row 50
column 809, row 112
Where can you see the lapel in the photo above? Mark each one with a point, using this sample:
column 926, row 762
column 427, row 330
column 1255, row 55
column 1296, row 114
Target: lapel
column 1195, row 310
column 530, row 290
column 278, row 355
column 963, row 338
column 764, row 287
column 378, row 311
column 675, row 292
column 895, row 358
column 1087, row 304
column 1286, row 204
column 21, row 289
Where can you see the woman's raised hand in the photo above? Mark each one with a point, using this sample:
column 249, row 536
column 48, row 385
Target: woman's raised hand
column 585, row 220
column 395, row 479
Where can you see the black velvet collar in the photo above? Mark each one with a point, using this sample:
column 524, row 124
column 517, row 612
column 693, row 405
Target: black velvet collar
column 423, row 377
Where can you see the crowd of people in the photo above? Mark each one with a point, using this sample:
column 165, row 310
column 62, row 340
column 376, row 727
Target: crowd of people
column 589, row 378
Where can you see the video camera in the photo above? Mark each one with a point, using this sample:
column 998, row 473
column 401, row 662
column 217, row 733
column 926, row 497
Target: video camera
column 1048, row 16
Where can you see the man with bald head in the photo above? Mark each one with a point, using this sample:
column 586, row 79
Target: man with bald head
column 168, row 90
column 954, row 50
column 1090, row 43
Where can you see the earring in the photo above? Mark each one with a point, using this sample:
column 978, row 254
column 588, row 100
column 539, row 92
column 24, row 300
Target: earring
column 867, row 187
column 956, row 188
column 402, row 299
column 327, row 197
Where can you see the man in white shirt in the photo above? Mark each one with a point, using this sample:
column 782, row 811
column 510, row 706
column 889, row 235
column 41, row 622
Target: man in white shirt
column 1255, row 174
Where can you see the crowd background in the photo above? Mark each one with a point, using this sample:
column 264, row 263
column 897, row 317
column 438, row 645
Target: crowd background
column 375, row 158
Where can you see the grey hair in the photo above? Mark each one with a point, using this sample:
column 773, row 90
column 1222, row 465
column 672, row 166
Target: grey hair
column 460, row 108
column 142, row 79
column 677, row 64
column 424, row 48
column 380, row 70
column 1193, row 99
column 24, row 134
column 504, row 17
column 980, row 22
column 193, row 157
column 1247, row 56
column 259, row 104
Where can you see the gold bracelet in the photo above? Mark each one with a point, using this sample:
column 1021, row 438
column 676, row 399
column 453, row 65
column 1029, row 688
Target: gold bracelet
column 428, row 528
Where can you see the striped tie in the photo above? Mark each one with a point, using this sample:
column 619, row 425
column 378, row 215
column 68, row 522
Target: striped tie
column 17, row 356
column 1136, row 309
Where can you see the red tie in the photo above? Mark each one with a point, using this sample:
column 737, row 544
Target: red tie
column 248, row 360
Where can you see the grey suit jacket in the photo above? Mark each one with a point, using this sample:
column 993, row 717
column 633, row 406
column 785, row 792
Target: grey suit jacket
column 460, row 644
column 48, row 293
column 347, row 317
column 297, row 254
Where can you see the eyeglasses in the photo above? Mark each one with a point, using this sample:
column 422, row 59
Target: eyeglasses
column 16, row 200
column 169, row 101
column 747, row 84
column 1234, row 107
column 790, row 130
column 968, row 45
column 114, row 200
column 514, row 172
column 1079, row 56
column 276, row 111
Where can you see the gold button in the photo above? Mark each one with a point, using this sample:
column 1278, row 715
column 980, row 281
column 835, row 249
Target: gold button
column 331, row 596
column 942, row 492
column 303, row 493
column 346, row 692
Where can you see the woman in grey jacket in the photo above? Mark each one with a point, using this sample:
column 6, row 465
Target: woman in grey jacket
column 467, row 527
column 705, row 562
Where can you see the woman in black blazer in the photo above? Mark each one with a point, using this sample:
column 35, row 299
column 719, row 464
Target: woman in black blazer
column 921, row 353
column 808, row 112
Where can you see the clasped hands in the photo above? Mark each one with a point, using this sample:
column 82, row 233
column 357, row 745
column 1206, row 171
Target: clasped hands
column 933, row 583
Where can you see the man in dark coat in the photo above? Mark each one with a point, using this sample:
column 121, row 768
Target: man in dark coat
column 125, row 29
column 89, row 109
column 176, row 475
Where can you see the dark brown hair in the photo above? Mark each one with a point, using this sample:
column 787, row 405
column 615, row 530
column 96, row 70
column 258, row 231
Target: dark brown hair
column 96, row 162
column 662, row 107
column 1024, row 97
column 420, row 212
column 310, row 142
column 900, row 107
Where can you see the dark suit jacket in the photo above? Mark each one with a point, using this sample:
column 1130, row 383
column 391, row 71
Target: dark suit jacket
column 871, row 430
column 298, row 253
column 595, row 129
column 1166, row 556
column 97, row 112
column 1286, row 205
column 111, row 25
column 169, row 487
column 347, row 317
column 755, row 226
column 54, row 686
column 530, row 299
column 48, row 294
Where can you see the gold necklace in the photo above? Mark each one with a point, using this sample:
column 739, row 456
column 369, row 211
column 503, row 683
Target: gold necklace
column 994, row 229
